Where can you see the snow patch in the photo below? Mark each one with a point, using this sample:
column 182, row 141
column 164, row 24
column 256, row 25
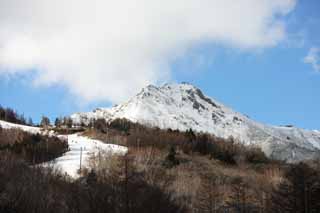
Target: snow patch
column 30, row 129
column 69, row 163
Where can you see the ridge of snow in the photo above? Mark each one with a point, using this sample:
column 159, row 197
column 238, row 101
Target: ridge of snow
column 30, row 129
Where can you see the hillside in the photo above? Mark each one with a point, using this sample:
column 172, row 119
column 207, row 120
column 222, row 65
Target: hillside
column 153, row 170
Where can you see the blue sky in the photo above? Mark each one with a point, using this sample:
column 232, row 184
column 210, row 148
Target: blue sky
column 272, row 85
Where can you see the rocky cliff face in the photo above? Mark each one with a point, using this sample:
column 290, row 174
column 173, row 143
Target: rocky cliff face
column 183, row 106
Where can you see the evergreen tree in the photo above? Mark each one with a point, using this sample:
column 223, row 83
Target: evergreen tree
column 190, row 135
column 57, row 122
column 69, row 123
column 171, row 159
column 92, row 178
column 30, row 122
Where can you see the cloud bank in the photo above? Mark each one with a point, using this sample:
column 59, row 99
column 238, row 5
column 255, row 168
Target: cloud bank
column 313, row 58
column 108, row 49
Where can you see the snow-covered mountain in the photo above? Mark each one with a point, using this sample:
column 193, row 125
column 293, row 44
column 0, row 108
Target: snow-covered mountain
column 183, row 106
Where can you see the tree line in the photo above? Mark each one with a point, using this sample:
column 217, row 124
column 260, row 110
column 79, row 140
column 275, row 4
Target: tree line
column 226, row 150
column 10, row 115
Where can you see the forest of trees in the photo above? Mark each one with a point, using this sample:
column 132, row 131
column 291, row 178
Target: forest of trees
column 134, row 135
column 63, row 121
column 123, row 189
column 211, row 174
column 164, row 171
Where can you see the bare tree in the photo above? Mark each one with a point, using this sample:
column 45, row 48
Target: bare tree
column 210, row 195
column 45, row 121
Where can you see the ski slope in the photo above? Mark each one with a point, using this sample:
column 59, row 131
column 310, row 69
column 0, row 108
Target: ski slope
column 69, row 163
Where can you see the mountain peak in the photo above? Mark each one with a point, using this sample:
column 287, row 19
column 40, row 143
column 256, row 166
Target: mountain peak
column 184, row 106
column 171, row 86
column 178, row 93
column 182, row 86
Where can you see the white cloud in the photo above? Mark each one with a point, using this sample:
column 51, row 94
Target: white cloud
column 313, row 58
column 108, row 49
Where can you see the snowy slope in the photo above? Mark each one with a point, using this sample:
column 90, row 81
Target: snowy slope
column 30, row 129
column 69, row 163
column 183, row 106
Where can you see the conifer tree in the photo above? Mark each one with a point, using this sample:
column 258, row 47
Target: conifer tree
column 171, row 159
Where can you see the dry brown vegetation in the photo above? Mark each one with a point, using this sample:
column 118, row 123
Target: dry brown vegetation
column 212, row 174
column 164, row 171
column 34, row 148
